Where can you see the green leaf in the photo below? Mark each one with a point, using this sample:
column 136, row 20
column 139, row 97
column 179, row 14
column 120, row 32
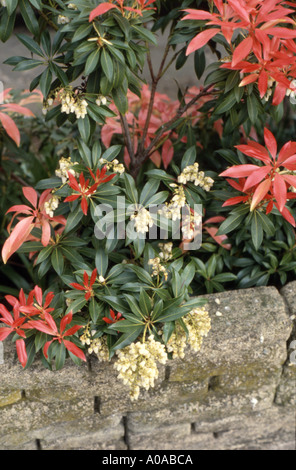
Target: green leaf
column 145, row 34
column 94, row 309
column 84, row 128
column 120, row 100
column 127, row 338
column 117, row 303
column 134, row 306
column 29, row 17
column 57, row 261
column 92, row 62
column 145, row 303
column 189, row 157
column 96, row 153
column 224, row 277
column 232, row 222
column 266, row 223
column 40, row 340
column 141, row 274
column 44, row 254
column 101, row 261
column 6, row 25
column 85, row 153
column 11, row 6
column 45, row 81
column 131, row 190
column 60, row 356
column 27, row 64
column 226, row 104
column 252, row 105
column 107, row 65
column 77, row 305
column 149, row 190
column 256, row 230
column 73, row 219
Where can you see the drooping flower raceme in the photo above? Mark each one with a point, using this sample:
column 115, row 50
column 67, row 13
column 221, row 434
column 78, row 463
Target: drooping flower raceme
column 198, row 324
column 137, row 366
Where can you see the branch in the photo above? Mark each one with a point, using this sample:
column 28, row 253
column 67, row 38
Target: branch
column 127, row 137
column 155, row 80
column 182, row 110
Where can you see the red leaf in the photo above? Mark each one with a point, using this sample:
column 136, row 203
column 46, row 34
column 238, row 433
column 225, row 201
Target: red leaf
column 263, row 83
column 257, row 176
column 100, row 10
column 16, row 108
column 17, row 237
column 46, row 346
column 167, row 153
column 4, row 332
column 260, row 193
column 242, row 51
column 21, row 351
column 41, row 326
column 280, row 191
column 45, row 232
column 249, row 79
column 239, row 171
column 84, row 206
column 73, row 330
column 287, row 215
column 287, row 151
column 10, row 128
column 201, row 40
column 220, row 239
column 270, row 142
column 65, row 321
column 31, row 195
column 74, row 349
column 197, row 15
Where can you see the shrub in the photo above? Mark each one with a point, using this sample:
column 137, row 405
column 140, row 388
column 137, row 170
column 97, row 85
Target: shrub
column 122, row 231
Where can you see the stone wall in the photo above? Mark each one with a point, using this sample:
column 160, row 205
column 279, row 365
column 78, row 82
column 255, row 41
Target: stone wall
column 237, row 393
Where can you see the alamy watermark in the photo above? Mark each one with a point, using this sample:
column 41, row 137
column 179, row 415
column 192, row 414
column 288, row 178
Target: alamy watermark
column 154, row 222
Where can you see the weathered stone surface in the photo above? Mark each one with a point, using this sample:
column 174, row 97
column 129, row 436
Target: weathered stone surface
column 226, row 396
column 259, row 326
column 286, row 391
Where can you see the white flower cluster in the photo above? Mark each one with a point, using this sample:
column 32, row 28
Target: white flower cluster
column 292, row 93
column 166, row 251
column 65, row 165
column 63, row 19
column 113, row 166
column 190, row 224
column 72, row 6
column 101, row 279
column 51, row 205
column 142, row 219
column 198, row 324
column 157, row 268
column 192, row 174
column 137, row 367
column 73, row 103
column 172, row 210
column 268, row 94
column 97, row 346
column 101, row 100
column 3, row 3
